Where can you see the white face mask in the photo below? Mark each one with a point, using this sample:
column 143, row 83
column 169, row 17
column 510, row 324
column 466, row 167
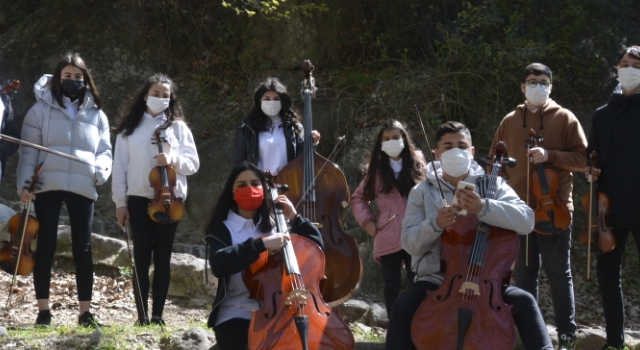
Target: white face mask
column 456, row 162
column 538, row 95
column 271, row 108
column 393, row 148
column 156, row 104
column 629, row 77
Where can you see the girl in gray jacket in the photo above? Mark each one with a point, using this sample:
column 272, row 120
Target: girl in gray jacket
column 66, row 118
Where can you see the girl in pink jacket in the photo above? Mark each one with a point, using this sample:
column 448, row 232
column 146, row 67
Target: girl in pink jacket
column 394, row 168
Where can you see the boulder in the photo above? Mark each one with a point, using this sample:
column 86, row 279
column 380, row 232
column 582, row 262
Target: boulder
column 352, row 310
column 193, row 339
column 107, row 251
column 188, row 279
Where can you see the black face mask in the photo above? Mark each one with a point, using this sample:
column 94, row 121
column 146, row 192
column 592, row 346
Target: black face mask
column 71, row 88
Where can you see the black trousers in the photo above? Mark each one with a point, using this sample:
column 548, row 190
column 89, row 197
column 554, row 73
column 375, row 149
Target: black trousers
column 553, row 252
column 526, row 316
column 233, row 334
column 47, row 206
column 151, row 240
column 609, row 269
column 392, row 273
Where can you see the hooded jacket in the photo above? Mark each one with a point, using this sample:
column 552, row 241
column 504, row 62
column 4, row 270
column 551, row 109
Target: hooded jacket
column 246, row 144
column 613, row 136
column 421, row 234
column 86, row 136
column 564, row 140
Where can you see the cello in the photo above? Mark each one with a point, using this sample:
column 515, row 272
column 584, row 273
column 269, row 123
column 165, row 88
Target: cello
column 477, row 260
column 598, row 231
column 551, row 215
column 292, row 314
column 323, row 198
column 165, row 207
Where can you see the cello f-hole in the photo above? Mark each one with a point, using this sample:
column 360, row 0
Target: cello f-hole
column 440, row 298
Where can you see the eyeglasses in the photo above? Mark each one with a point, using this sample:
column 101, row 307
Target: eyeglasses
column 533, row 83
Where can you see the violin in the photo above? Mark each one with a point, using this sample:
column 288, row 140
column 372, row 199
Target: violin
column 598, row 230
column 477, row 260
column 292, row 315
column 17, row 257
column 165, row 207
column 321, row 187
column 10, row 86
column 551, row 215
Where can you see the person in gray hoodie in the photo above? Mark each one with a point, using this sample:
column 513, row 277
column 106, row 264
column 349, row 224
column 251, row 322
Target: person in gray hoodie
column 427, row 217
column 66, row 118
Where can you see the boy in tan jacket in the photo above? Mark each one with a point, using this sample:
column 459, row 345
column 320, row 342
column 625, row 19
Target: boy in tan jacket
column 562, row 149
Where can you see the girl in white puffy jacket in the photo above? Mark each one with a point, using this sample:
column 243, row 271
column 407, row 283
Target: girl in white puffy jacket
column 66, row 118
column 154, row 108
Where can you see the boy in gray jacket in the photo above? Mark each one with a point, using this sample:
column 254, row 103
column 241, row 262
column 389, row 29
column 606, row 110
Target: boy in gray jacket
column 427, row 217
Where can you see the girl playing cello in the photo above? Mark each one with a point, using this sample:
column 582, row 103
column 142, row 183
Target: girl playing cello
column 240, row 217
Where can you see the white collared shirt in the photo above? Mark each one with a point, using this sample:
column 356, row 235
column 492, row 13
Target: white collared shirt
column 272, row 147
column 396, row 165
column 71, row 107
column 237, row 303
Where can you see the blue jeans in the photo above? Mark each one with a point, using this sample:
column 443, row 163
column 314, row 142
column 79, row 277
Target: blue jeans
column 609, row 269
column 553, row 253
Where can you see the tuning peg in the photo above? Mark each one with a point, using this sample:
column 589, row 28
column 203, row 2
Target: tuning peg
column 38, row 188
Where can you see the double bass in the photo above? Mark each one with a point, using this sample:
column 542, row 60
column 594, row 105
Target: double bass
column 292, row 315
column 323, row 198
column 467, row 311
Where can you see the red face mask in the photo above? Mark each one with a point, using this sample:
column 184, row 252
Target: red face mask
column 249, row 198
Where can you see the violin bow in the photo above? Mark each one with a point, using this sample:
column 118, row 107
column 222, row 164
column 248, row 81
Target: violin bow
column 45, row 149
column 139, row 305
column 591, row 160
column 431, row 156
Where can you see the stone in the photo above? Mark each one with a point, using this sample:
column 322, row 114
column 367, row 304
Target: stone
column 352, row 310
column 106, row 251
column 96, row 337
column 193, row 339
column 3, row 332
column 377, row 316
column 188, row 279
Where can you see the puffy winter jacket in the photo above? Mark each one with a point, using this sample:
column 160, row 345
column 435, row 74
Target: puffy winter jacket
column 86, row 136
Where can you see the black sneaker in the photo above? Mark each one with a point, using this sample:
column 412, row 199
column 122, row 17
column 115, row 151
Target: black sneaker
column 87, row 319
column 566, row 342
column 157, row 321
column 44, row 318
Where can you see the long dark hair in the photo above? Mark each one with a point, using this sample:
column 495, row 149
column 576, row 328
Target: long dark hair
column 412, row 172
column 259, row 120
column 226, row 202
column 56, row 84
column 136, row 106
